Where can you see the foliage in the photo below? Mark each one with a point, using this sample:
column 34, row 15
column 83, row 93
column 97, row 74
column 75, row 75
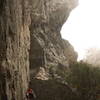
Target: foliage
column 83, row 78
column 93, row 56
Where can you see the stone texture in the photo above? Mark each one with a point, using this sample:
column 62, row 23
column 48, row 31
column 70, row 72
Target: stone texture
column 14, row 48
column 44, row 19
column 47, row 47
column 69, row 52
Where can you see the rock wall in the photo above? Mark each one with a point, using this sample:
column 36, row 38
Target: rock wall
column 47, row 47
column 14, row 48
column 44, row 19
column 70, row 53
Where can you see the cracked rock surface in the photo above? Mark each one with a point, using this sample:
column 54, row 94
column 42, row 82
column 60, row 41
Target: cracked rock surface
column 30, row 33
column 14, row 48
column 47, row 46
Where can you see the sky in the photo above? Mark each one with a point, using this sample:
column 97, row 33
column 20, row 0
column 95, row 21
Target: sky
column 82, row 28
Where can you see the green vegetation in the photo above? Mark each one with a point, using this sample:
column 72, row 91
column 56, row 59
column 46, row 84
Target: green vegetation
column 52, row 90
column 84, row 80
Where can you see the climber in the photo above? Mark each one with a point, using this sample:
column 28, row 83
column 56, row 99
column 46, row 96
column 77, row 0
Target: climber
column 30, row 94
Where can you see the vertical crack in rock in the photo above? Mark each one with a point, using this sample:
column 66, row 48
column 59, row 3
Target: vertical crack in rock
column 44, row 18
column 14, row 48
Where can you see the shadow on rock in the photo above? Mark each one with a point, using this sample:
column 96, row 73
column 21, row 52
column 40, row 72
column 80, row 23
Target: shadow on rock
column 52, row 90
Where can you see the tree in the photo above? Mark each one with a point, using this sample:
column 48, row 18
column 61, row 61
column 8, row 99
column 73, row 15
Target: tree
column 86, row 79
column 83, row 78
column 93, row 56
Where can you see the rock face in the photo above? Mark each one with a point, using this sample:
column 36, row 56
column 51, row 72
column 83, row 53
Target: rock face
column 44, row 19
column 69, row 52
column 14, row 48
column 47, row 47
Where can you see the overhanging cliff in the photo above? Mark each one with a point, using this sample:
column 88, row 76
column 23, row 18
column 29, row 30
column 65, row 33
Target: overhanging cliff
column 47, row 46
column 43, row 19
